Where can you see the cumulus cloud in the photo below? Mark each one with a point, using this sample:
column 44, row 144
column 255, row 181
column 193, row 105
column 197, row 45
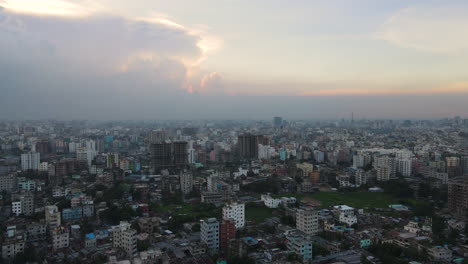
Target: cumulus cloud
column 60, row 64
column 434, row 26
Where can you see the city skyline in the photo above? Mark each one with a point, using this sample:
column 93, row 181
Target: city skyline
column 220, row 59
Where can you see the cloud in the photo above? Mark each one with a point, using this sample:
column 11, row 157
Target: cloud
column 435, row 27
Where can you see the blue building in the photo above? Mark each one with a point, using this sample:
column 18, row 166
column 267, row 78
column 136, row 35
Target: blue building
column 299, row 243
column 74, row 213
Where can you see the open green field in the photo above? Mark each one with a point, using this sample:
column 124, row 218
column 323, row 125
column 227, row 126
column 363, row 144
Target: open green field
column 258, row 214
column 353, row 199
column 197, row 211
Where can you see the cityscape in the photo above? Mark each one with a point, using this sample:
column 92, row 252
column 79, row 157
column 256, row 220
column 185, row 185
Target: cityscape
column 233, row 132
column 279, row 191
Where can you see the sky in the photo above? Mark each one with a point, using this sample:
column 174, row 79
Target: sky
column 233, row 59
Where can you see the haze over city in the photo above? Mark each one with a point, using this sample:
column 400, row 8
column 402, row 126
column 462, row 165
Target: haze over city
column 232, row 59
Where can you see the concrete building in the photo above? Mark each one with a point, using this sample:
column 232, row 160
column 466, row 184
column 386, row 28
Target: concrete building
column 8, row 182
column 348, row 219
column 307, row 221
column 464, row 164
column 209, row 234
column 362, row 177
column 439, row 253
column 70, row 214
column 227, row 233
column 458, row 196
column 30, row 161
column 248, row 145
column 13, row 244
column 52, row 216
column 86, row 155
column 386, row 168
column 269, row 201
column 60, row 238
column 235, row 211
column 125, row 238
column 23, row 203
column 404, row 166
column 361, row 160
column 299, row 243
column 186, row 182
column 453, row 166
column 169, row 154
column 384, row 173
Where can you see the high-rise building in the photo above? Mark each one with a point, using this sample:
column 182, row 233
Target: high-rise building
column 157, row 136
column 384, row 173
column 464, row 164
column 248, row 145
column 227, row 232
column 186, row 182
column 180, row 157
column 125, row 237
column 235, row 211
column 458, row 196
column 42, row 147
column 91, row 145
column 453, row 166
column 277, row 121
column 169, row 154
column 361, row 160
column 209, row 233
column 86, row 155
column 404, row 166
column 386, row 168
column 362, row 177
column 307, row 221
column 30, row 161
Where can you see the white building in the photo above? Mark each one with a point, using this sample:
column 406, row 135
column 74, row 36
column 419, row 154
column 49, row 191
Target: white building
column 91, row 145
column 209, row 233
column 339, row 209
column 307, row 221
column 404, row 167
column 269, row 201
column 60, row 238
column 265, row 151
column 412, row 227
column 125, row 237
column 30, row 161
column 439, row 253
column 235, row 211
column 16, row 208
column 361, row 160
column 186, row 182
column 347, row 219
column 86, row 155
